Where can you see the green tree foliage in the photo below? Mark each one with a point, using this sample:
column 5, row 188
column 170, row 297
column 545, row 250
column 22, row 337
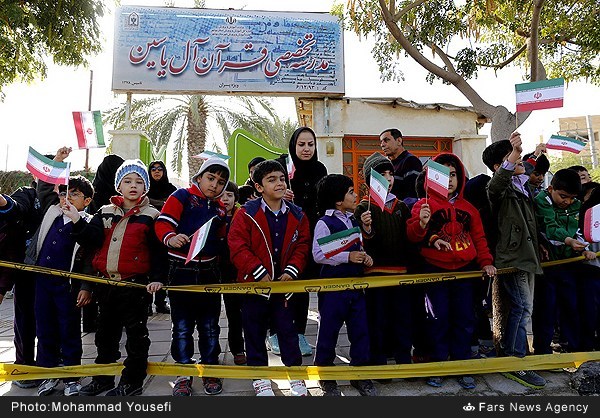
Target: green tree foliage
column 30, row 31
column 453, row 40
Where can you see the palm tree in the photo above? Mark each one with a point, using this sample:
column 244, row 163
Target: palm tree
column 184, row 120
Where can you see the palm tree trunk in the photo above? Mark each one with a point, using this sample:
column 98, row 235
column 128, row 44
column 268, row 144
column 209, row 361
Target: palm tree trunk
column 196, row 131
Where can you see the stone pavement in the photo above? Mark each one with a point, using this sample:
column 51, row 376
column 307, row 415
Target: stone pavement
column 159, row 326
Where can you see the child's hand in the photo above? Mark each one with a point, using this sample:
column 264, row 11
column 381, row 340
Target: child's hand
column 589, row 255
column 366, row 220
column 357, row 257
column 442, row 245
column 285, row 278
column 539, row 149
column 266, row 278
column 368, row 261
column 178, row 241
column 62, row 153
column 153, row 287
column 84, row 297
column 574, row 244
column 3, row 201
column 424, row 215
column 490, row 271
column 288, row 195
column 70, row 211
column 516, row 142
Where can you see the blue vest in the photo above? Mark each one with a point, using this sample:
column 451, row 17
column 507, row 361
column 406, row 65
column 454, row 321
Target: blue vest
column 346, row 269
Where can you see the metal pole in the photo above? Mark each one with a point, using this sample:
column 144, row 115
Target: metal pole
column 128, row 111
column 87, row 150
column 588, row 120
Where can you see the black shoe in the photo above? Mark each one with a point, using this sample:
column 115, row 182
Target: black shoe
column 95, row 388
column 329, row 388
column 163, row 309
column 364, row 387
column 212, row 385
column 527, row 378
column 125, row 390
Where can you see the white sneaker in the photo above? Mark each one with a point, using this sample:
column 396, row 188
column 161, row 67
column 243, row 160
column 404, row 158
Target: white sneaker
column 72, row 388
column 298, row 388
column 47, row 387
column 262, row 387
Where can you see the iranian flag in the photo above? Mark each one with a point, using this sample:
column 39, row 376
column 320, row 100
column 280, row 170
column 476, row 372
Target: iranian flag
column 378, row 188
column 205, row 155
column 591, row 224
column 564, row 143
column 198, row 240
column 88, row 127
column 545, row 94
column 289, row 166
column 340, row 241
column 45, row 169
column 437, row 178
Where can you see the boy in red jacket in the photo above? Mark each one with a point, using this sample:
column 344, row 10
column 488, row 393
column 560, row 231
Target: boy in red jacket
column 451, row 237
column 269, row 240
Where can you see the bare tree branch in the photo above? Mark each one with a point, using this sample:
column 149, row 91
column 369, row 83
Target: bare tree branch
column 533, row 40
column 453, row 78
column 405, row 10
column 444, row 58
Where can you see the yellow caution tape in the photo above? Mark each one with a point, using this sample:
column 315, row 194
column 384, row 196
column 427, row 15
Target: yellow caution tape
column 10, row 372
column 294, row 286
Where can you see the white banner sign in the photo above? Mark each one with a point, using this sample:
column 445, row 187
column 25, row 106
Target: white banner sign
column 176, row 50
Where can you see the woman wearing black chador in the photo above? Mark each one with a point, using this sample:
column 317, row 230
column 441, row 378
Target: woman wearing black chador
column 306, row 172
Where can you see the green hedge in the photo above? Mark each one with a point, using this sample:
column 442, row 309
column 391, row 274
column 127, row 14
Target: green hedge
column 12, row 180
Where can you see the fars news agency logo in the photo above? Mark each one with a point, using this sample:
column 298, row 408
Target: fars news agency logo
column 468, row 407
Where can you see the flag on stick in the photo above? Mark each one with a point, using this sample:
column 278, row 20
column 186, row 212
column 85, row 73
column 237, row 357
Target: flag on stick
column 45, row 169
column 340, row 241
column 205, row 155
column 591, row 224
column 564, row 143
column 545, row 94
column 378, row 188
column 289, row 166
column 198, row 240
column 437, row 178
column 88, row 127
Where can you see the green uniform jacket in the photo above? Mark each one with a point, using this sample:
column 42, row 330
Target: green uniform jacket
column 557, row 224
column 517, row 230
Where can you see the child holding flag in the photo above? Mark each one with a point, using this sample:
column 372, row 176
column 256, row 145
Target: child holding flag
column 269, row 240
column 511, row 198
column 337, row 247
column 192, row 226
column 450, row 235
column 56, row 244
column 129, row 251
column 383, row 223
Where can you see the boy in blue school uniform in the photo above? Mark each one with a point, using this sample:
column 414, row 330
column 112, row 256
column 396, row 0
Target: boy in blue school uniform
column 269, row 240
column 337, row 198
column 58, row 300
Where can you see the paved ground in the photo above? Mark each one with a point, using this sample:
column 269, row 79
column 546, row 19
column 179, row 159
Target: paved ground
column 159, row 326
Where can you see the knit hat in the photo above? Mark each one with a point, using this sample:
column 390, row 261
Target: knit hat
column 210, row 162
column 377, row 162
column 132, row 166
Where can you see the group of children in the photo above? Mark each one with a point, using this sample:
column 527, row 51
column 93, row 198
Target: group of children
column 269, row 239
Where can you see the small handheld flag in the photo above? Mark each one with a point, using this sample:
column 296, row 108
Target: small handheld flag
column 564, row 143
column 198, row 240
column 378, row 188
column 437, row 178
column 591, row 224
column 545, row 94
column 205, row 155
column 88, row 127
column 289, row 166
column 340, row 241
column 45, row 169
